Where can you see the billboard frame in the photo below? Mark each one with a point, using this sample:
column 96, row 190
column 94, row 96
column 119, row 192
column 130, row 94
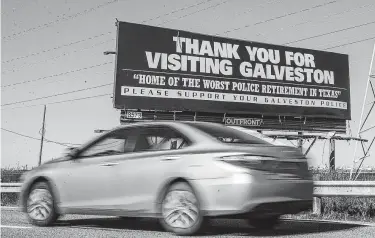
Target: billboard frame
column 329, row 126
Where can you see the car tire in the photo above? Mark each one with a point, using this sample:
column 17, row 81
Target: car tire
column 181, row 199
column 267, row 223
column 40, row 205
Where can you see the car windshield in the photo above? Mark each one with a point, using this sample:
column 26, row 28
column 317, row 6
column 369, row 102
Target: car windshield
column 226, row 134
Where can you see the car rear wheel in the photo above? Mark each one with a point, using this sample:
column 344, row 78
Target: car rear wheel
column 40, row 206
column 180, row 210
column 266, row 223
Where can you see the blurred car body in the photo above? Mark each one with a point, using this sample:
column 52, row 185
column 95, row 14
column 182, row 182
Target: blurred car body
column 179, row 172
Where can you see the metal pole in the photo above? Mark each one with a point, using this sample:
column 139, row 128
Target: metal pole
column 115, row 66
column 42, row 139
column 363, row 109
column 332, row 156
column 300, row 141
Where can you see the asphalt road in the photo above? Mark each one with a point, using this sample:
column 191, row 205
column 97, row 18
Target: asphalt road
column 15, row 224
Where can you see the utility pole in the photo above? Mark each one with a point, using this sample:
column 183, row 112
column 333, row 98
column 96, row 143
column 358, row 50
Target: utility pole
column 42, row 139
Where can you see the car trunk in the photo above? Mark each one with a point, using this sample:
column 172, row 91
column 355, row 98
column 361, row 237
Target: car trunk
column 283, row 161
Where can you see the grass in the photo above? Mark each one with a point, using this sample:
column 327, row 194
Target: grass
column 12, row 175
column 341, row 175
column 336, row 208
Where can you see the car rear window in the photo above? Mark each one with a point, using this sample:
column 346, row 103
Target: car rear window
column 226, row 134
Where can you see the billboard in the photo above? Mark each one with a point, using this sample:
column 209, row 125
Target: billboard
column 174, row 70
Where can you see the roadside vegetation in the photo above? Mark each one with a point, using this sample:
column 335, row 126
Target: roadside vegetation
column 354, row 209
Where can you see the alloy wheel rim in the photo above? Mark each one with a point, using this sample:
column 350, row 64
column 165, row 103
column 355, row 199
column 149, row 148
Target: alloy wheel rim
column 180, row 209
column 39, row 204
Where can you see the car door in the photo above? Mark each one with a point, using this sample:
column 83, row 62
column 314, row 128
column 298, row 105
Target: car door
column 88, row 182
column 157, row 151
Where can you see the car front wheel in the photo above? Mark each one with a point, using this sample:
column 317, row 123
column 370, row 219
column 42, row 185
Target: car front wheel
column 40, row 205
column 180, row 210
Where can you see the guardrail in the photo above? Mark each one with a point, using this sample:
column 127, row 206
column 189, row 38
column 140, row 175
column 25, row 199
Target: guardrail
column 341, row 189
column 321, row 189
column 10, row 187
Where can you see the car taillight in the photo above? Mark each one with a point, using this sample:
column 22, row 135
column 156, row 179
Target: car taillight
column 245, row 161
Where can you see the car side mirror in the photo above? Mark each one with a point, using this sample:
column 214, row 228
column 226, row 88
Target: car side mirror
column 72, row 152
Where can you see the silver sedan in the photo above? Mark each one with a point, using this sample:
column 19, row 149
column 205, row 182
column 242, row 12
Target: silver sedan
column 182, row 173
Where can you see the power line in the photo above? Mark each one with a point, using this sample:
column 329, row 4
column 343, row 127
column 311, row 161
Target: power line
column 200, row 10
column 57, row 57
column 282, row 16
column 320, row 19
column 331, row 32
column 63, row 18
column 57, row 47
column 59, row 94
column 60, row 74
column 350, row 43
column 65, row 143
column 96, row 36
column 71, row 100
column 177, row 10
column 250, row 10
column 34, row 138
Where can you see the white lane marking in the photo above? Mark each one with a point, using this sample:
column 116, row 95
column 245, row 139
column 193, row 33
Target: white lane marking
column 359, row 223
column 16, row 227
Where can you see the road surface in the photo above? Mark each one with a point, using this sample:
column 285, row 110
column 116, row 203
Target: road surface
column 14, row 224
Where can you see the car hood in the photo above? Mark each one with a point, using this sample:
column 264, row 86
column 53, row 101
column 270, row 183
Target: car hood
column 54, row 161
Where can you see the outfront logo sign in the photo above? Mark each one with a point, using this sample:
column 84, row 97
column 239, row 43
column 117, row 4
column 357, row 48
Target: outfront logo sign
column 232, row 121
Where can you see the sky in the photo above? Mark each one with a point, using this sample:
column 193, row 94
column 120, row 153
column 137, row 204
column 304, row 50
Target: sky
column 54, row 47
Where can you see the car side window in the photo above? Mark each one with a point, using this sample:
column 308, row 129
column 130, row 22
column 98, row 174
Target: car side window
column 158, row 138
column 112, row 144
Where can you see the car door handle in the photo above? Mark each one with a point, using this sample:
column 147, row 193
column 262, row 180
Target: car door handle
column 109, row 164
column 170, row 158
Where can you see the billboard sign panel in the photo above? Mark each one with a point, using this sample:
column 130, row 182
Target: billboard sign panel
column 174, row 70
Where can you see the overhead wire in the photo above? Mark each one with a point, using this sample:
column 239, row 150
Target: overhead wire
column 57, row 47
column 59, row 74
column 331, row 32
column 349, row 43
column 59, row 19
column 58, row 94
column 56, row 57
column 177, row 10
column 195, row 12
column 34, row 138
column 184, row 8
column 258, row 6
column 282, row 16
column 70, row 100
column 96, row 36
column 102, row 34
column 62, row 143
column 314, row 20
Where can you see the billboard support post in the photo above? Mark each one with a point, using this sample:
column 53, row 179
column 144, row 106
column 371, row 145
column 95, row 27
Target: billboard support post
column 332, row 155
column 300, row 140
